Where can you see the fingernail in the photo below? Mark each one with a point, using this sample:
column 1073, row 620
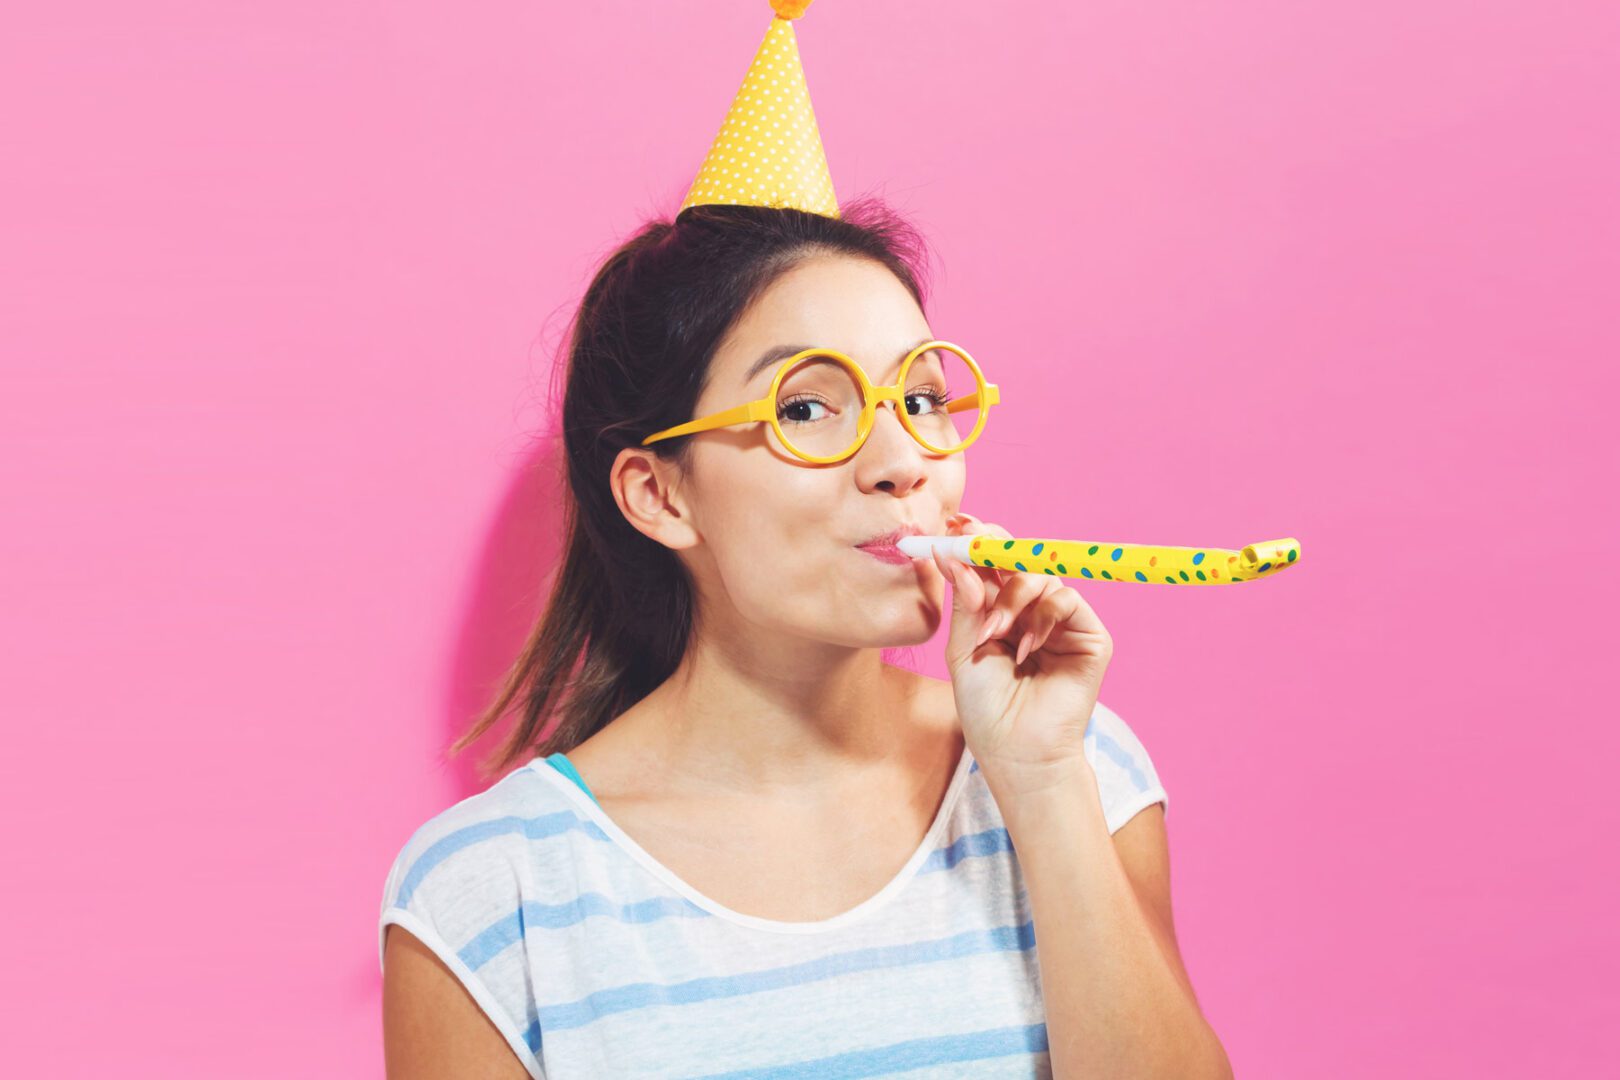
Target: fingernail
column 984, row 635
column 1023, row 647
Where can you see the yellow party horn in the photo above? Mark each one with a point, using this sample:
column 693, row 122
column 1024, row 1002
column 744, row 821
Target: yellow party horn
column 1113, row 562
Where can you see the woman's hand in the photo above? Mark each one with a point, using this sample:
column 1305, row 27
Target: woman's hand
column 1026, row 655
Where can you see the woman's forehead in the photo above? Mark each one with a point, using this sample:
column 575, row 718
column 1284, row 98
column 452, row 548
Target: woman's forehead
column 854, row 306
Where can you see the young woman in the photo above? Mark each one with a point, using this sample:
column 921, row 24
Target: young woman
column 737, row 841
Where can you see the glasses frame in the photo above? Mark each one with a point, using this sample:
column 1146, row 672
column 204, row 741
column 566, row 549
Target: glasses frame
column 764, row 409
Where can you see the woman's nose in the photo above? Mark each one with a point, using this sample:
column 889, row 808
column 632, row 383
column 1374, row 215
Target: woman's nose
column 894, row 411
column 900, row 429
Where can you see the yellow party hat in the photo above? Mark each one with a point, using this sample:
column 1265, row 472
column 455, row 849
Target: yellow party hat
column 768, row 152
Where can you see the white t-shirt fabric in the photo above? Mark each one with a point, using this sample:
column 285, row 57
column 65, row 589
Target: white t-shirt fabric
column 596, row 961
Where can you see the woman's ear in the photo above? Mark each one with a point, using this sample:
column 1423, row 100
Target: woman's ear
column 651, row 497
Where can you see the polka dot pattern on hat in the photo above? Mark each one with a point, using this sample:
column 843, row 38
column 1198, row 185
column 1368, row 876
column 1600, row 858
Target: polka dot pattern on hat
column 769, row 152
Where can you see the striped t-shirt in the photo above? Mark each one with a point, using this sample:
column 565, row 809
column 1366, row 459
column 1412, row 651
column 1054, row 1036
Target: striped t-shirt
column 594, row 960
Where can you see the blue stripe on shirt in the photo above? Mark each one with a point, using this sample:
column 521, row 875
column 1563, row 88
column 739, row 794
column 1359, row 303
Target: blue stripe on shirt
column 642, row 995
column 904, row 1056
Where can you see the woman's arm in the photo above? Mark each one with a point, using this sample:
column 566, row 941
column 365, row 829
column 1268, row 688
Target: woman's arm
column 432, row 1028
column 1118, row 998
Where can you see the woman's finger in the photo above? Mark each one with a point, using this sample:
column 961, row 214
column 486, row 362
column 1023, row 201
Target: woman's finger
column 1075, row 627
column 964, row 581
column 1020, row 591
column 1055, row 610
column 1007, row 608
column 1031, row 611
column 990, row 579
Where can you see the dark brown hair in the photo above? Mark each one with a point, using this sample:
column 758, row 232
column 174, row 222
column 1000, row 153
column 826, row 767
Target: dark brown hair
column 639, row 349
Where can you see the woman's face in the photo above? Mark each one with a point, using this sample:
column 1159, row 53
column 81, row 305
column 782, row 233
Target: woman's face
column 778, row 536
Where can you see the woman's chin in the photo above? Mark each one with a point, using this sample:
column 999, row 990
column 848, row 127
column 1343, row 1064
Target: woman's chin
column 916, row 628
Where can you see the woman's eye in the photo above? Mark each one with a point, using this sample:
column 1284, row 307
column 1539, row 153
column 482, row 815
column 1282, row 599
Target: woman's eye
column 936, row 402
column 801, row 411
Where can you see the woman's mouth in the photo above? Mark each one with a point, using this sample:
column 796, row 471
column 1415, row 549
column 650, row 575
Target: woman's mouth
column 882, row 547
column 886, row 553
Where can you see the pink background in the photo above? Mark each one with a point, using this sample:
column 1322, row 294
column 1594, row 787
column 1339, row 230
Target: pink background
column 282, row 290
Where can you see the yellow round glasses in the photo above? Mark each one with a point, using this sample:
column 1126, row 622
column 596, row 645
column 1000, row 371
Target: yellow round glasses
column 821, row 406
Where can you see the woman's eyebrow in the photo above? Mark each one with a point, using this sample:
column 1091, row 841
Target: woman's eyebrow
column 777, row 353
column 771, row 356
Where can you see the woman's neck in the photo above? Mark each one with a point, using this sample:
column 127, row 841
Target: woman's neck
column 750, row 725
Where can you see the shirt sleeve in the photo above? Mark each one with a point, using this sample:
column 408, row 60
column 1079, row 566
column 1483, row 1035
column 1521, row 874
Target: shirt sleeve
column 454, row 890
column 1126, row 778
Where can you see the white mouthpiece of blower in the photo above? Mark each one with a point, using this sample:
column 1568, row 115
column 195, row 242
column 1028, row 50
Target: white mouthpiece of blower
column 922, row 547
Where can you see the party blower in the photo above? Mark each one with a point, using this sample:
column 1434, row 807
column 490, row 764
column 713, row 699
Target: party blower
column 1113, row 562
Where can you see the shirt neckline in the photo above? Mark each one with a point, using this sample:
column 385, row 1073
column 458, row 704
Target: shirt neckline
column 591, row 809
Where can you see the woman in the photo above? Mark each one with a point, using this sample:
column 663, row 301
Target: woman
column 747, row 843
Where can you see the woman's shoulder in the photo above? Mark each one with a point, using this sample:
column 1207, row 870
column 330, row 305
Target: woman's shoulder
column 471, row 858
column 1127, row 779
column 519, row 794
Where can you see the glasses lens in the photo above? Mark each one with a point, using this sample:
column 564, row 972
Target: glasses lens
column 818, row 407
column 942, row 398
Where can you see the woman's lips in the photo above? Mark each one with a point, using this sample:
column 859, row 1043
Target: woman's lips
column 886, row 553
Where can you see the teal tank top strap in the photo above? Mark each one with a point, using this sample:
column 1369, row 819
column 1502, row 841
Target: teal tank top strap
column 560, row 762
